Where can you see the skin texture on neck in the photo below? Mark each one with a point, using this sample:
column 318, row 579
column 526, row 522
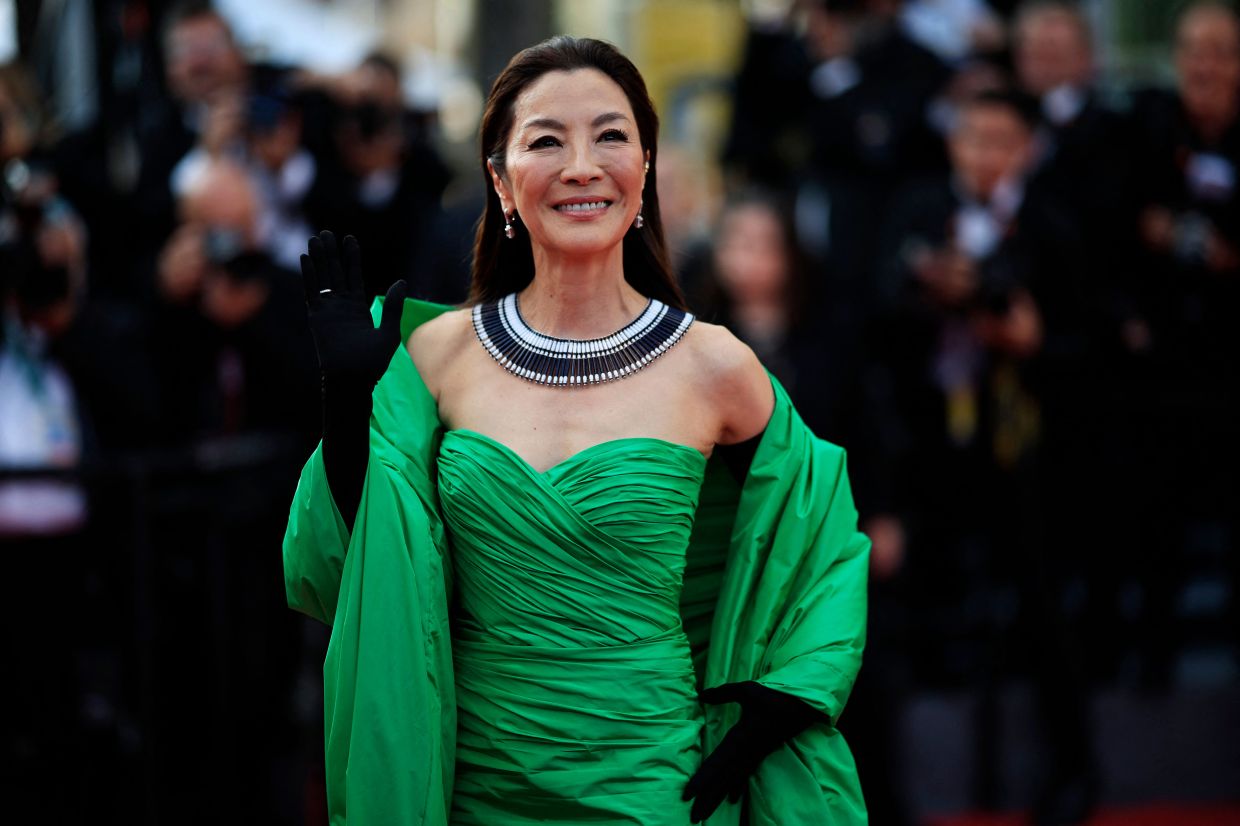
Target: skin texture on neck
column 579, row 297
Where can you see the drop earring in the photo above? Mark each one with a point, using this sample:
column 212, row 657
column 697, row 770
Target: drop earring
column 508, row 230
column 639, row 221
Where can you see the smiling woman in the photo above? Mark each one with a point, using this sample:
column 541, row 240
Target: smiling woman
column 567, row 585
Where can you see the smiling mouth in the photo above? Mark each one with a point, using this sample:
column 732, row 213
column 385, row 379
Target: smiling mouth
column 589, row 206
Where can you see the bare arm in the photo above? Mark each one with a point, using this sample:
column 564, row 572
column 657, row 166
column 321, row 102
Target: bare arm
column 736, row 383
column 740, row 393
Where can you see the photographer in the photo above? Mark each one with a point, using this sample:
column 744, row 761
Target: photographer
column 380, row 177
column 962, row 251
column 982, row 280
column 267, row 142
column 959, row 318
column 231, row 353
column 240, row 397
column 282, row 169
column 43, row 506
column 42, row 281
column 207, row 80
column 1183, row 396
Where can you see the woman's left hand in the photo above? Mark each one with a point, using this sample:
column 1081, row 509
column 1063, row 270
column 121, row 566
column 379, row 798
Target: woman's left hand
column 769, row 718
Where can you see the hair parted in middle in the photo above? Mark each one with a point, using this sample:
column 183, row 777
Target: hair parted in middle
column 502, row 266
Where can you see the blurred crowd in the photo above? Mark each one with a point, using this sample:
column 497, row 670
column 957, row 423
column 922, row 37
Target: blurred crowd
column 1008, row 291
column 159, row 390
column 1011, row 295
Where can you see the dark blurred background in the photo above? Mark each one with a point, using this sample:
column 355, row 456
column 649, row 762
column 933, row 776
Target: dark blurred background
column 990, row 247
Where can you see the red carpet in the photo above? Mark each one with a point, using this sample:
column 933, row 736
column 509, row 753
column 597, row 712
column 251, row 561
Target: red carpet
column 1154, row 814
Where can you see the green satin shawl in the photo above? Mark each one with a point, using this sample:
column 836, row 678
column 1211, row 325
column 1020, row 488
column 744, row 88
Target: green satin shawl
column 774, row 591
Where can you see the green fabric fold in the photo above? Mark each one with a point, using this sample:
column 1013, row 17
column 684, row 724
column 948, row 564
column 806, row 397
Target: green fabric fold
column 774, row 590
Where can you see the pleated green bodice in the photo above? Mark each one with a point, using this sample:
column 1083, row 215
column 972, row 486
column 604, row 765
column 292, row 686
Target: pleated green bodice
column 575, row 690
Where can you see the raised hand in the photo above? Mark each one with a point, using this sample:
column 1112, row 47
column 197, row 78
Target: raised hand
column 769, row 718
column 353, row 353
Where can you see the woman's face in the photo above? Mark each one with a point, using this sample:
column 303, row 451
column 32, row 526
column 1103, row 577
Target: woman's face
column 574, row 165
column 750, row 257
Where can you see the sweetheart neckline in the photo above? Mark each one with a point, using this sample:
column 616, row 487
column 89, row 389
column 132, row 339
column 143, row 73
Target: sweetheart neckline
column 586, row 450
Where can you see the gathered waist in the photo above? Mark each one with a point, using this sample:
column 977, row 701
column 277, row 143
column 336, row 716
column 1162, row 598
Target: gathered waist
column 476, row 641
column 647, row 679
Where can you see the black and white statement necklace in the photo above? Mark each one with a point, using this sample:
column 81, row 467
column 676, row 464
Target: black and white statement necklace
column 566, row 362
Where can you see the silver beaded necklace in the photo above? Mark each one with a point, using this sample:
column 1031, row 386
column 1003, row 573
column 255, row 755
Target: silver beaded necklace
column 566, row 362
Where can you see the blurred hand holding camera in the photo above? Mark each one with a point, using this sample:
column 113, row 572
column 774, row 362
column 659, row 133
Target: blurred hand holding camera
column 1190, row 237
column 1018, row 331
column 949, row 275
column 182, row 265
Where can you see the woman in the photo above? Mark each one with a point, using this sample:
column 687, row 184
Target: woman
column 553, row 439
column 757, row 282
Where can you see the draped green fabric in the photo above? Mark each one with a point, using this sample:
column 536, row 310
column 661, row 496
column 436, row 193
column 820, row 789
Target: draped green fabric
column 576, row 699
column 560, row 687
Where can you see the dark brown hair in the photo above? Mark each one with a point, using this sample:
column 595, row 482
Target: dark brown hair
column 502, row 266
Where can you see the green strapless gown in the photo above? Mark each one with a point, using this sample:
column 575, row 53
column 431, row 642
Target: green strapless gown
column 576, row 698
column 509, row 647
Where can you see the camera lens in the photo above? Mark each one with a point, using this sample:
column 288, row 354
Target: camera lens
column 221, row 245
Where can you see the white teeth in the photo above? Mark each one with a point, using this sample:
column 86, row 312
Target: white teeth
column 581, row 207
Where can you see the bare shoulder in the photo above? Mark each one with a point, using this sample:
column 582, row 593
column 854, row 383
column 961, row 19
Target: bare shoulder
column 729, row 374
column 435, row 343
column 717, row 351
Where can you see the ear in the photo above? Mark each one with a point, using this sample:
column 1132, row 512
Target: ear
column 645, row 170
column 501, row 189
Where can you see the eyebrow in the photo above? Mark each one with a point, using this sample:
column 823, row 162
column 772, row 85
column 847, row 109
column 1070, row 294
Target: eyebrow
column 552, row 123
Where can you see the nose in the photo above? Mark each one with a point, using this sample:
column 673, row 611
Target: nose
column 581, row 166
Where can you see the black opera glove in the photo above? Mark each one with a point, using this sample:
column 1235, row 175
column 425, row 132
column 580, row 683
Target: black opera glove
column 353, row 355
column 769, row 718
column 352, row 352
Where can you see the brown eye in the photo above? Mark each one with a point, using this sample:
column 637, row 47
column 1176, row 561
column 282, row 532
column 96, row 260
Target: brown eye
column 614, row 135
column 544, row 142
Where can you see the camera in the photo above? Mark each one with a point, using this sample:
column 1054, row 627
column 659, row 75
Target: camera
column 265, row 111
column 225, row 248
column 996, row 282
column 221, row 245
column 1192, row 237
column 28, row 203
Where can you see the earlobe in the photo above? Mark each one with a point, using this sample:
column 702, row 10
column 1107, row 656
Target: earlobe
column 497, row 183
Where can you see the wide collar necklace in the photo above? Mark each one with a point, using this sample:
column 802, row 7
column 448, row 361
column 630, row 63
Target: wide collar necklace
column 566, row 362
